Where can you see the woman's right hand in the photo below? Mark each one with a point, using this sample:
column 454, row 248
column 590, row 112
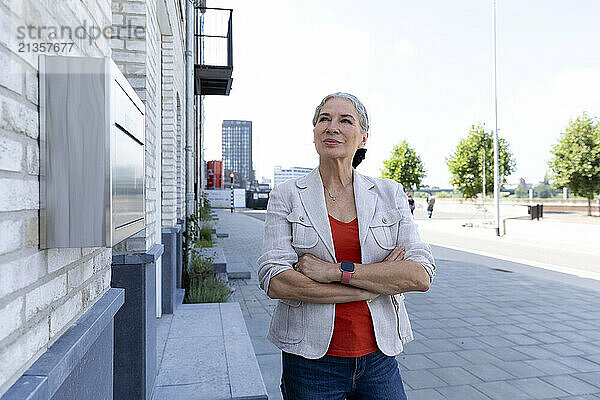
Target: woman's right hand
column 396, row 255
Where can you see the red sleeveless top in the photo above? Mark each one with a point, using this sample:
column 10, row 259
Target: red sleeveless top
column 353, row 334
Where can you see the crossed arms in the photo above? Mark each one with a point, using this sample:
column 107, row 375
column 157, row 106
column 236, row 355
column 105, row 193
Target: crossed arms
column 314, row 280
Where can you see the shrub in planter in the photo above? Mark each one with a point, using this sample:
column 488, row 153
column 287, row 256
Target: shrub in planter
column 203, row 285
column 207, row 290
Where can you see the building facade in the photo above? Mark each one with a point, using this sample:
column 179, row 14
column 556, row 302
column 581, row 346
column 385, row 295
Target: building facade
column 281, row 175
column 237, row 151
column 214, row 174
column 84, row 302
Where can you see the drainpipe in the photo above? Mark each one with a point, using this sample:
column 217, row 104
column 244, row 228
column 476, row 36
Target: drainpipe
column 189, row 108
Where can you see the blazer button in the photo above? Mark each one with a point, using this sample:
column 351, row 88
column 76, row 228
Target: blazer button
column 301, row 218
column 384, row 220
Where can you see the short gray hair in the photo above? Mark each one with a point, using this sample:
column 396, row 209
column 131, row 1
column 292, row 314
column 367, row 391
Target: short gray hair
column 360, row 109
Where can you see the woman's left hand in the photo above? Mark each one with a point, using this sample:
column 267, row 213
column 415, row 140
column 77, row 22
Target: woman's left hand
column 317, row 269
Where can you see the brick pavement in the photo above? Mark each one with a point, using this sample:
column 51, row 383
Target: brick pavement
column 480, row 333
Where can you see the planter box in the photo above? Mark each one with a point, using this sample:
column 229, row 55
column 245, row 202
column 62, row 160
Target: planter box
column 218, row 256
column 209, row 224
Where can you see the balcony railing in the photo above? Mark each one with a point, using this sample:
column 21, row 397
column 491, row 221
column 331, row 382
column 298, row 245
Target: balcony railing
column 213, row 50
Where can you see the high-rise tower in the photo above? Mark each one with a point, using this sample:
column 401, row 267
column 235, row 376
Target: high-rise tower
column 237, row 151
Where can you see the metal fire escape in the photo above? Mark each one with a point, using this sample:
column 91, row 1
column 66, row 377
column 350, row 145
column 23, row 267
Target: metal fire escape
column 213, row 51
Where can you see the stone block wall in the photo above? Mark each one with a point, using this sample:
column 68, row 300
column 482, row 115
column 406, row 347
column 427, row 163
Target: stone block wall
column 41, row 292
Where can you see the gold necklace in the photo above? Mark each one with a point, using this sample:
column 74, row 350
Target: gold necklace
column 329, row 193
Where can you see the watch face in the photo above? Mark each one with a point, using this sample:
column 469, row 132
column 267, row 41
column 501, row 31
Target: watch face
column 347, row 266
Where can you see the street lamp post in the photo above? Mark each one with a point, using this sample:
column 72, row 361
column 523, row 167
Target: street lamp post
column 496, row 162
column 484, row 176
column 232, row 197
column 484, row 182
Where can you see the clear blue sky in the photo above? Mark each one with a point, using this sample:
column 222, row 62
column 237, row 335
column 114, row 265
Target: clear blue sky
column 422, row 69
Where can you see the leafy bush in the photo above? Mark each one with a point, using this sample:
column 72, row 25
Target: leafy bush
column 202, row 283
column 195, row 235
column 206, row 233
column 199, row 279
column 204, row 243
column 204, row 238
column 207, row 290
column 200, row 267
column 205, row 208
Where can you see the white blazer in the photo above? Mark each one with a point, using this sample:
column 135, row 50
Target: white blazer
column 297, row 223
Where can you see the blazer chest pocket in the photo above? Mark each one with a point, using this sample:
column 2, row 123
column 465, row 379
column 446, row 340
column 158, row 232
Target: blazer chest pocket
column 384, row 227
column 304, row 235
column 288, row 324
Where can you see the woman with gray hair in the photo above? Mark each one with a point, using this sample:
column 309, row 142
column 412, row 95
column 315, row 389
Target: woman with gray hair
column 339, row 250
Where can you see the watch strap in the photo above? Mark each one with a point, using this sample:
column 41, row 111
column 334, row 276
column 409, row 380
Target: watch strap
column 346, row 277
column 347, row 269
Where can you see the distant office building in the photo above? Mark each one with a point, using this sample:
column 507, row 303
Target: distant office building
column 237, row 151
column 283, row 174
column 214, row 174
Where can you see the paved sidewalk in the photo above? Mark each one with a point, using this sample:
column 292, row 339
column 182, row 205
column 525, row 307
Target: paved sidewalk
column 480, row 332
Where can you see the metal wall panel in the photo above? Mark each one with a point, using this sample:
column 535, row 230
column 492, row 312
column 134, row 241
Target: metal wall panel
column 91, row 169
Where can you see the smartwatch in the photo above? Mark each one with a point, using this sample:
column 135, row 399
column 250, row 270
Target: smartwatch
column 347, row 269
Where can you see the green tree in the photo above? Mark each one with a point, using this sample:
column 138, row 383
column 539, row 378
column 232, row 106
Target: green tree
column 466, row 162
column 575, row 159
column 521, row 191
column 543, row 190
column 404, row 166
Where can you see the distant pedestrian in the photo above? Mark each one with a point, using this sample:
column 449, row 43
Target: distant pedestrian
column 430, row 204
column 334, row 255
column 411, row 204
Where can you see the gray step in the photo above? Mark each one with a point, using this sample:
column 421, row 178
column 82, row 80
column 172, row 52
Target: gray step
column 209, row 355
column 238, row 270
column 180, row 294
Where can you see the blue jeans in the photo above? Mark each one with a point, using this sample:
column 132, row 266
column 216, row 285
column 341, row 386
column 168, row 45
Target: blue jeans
column 374, row 376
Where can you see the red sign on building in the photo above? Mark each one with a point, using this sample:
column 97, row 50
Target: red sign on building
column 214, row 174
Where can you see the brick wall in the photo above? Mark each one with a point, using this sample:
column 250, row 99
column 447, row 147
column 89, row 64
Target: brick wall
column 41, row 292
column 169, row 139
column 173, row 92
column 138, row 58
column 181, row 171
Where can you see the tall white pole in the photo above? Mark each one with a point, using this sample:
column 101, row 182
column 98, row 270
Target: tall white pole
column 496, row 162
column 484, row 182
column 484, row 176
